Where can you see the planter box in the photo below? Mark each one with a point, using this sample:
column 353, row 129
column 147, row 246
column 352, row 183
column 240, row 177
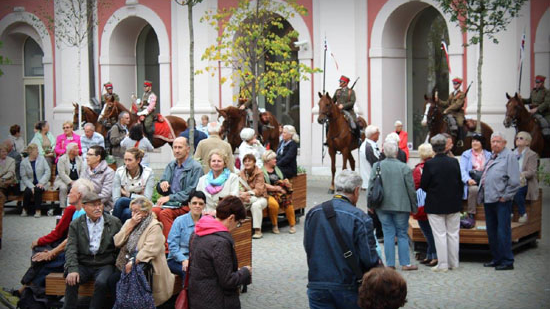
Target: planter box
column 299, row 196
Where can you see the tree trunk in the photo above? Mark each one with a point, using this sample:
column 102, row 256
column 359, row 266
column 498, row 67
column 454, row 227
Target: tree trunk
column 191, row 125
column 78, row 89
column 254, row 73
column 479, row 69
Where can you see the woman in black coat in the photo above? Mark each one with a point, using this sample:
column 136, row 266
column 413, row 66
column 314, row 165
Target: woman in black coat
column 214, row 276
column 442, row 181
column 287, row 152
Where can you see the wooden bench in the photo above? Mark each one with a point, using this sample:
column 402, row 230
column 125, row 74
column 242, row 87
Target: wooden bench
column 55, row 282
column 48, row 195
column 529, row 231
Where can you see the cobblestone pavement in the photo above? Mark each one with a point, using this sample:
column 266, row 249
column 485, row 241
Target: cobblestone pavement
column 280, row 268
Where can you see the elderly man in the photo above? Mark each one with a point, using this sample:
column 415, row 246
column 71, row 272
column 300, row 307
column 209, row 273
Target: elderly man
column 180, row 177
column 348, row 255
column 213, row 142
column 499, row 184
column 90, row 138
column 90, row 253
column 369, row 153
column 117, row 133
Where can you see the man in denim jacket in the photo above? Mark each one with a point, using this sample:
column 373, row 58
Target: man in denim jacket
column 331, row 282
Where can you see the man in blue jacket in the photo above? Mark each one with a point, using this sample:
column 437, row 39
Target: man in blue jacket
column 332, row 283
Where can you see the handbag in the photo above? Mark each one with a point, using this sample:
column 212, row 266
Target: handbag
column 376, row 191
column 183, row 298
column 476, row 175
column 133, row 291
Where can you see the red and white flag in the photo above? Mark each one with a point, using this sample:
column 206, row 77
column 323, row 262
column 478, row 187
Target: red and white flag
column 521, row 51
column 327, row 48
column 444, row 48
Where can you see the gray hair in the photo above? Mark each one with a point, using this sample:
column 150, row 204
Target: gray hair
column 346, row 181
column 247, row 134
column 371, row 130
column 71, row 146
column 268, row 156
column 438, row 143
column 89, row 125
column 397, row 123
column 393, row 137
column 83, row 186
column 122, row 114
column 292, row 131
column 390, row 149
column 498, row 134
column 214, row 127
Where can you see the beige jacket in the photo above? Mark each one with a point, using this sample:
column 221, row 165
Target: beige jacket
column 7, row 170
column 529, row 172
column 64, row 170
column 213, row 142
column 151, row 249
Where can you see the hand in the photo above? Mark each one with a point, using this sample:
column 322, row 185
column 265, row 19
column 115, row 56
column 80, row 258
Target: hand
column 136, row 219
column 41, row 186
column 43, row 256
column 141, row 118
column 73, row 278
column 249, row 268
column 244, row 196
column 242, row 106
column 184, row 265
column 123, row 192
column 533, row 110
column 34, row 244
column 340, row 106
column 162, row 200
column 472, row 182
column 502, row 200
column 128, row 267
column 164, row 186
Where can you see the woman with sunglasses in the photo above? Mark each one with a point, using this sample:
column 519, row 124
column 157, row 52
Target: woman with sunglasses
column 68, row 136
column 529, row 186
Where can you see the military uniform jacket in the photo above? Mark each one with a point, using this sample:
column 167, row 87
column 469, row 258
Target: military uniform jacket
column 455, row 106
column 148, row 103
column 105, row 95
column 538, row 97
column 346, row 97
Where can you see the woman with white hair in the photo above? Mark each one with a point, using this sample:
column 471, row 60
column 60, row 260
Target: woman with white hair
column 529, row 186
column 287, row 152
column 250, row 145
column 399, row 202
column 401, row 155
column 403, row 138
column 69, row 168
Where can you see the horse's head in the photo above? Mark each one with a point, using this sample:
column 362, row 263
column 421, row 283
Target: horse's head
column 75, row 117
column 514, row 107
column 111, row 109
column 325, row 108
column 431, row 108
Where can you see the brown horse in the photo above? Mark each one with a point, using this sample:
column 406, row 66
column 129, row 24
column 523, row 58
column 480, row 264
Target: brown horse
column 88, row 115
column 435, row 120
column 235, row 120
column 339, row 137
column 518, row 117
column 113, row 109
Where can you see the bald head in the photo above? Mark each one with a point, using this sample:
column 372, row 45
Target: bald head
column 180, row 148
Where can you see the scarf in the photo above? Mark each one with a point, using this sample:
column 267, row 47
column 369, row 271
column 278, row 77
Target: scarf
column 130, row 249
column 214, row 186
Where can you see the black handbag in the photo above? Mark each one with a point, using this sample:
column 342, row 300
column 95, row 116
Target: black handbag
column 376, row 191
column 476, row 175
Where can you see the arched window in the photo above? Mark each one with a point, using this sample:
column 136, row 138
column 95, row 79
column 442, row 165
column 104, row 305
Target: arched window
column 33, row 80
column 33, row 55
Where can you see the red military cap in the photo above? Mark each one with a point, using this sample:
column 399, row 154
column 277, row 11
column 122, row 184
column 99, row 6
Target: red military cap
column 344, row 79
column 108, row 85
column 457, row 80
column 540, row 79
column 148, row 83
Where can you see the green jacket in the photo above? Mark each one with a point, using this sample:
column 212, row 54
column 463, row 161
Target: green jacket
column 455, row 106
column 78, row 252
column 266, row 175
column 538, row 97
column 397, row 181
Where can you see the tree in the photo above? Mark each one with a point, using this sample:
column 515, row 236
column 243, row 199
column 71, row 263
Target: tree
column 190, row 4
column 252, row 48
column 481, row 18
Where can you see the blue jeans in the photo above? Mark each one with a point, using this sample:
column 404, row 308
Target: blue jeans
column 499, row 231
column 519, row 198
column 122, row 209
column 427, row 231
column 395, row 223
column 175, row 268
column 332, row 299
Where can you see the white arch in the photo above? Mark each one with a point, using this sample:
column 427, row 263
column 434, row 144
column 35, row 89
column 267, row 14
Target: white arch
column 542, row 46
column 43, row 39
column 106, row 59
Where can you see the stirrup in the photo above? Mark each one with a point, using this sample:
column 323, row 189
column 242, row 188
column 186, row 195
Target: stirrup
column 459, row 143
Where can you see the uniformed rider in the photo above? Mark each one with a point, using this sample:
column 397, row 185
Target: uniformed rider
column 345, row 99
column 455, row 109
column 539, row 102
column 107, row 97
column 146, row 108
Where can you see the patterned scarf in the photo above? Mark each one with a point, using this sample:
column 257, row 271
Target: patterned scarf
column 214, row 186
column 130, row 249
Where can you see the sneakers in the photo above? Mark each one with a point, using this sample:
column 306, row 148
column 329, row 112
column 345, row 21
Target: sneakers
column 257, row 235
column 50, row 213
column 24, row 213
column 409, row 267
column 292, row 230
column 439, row 270
column 522, row 218
column 276, row 230
column 38, row 214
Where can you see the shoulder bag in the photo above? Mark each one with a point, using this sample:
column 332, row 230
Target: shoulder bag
column 376, row 190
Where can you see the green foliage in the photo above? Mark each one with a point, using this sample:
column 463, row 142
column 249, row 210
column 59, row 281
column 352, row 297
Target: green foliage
column 254, row 46
column 3, row 60
column 543, row 175
column 301, row 170
column 482, row 17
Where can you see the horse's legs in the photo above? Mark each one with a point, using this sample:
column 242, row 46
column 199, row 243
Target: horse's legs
column 351, row 161
column 332, row 154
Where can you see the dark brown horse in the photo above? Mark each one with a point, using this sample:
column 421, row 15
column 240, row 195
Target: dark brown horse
column 88, row 115
column 235, row 120
column 114, row 108
column 339, row 137
column 435, row 120
column 518, row 117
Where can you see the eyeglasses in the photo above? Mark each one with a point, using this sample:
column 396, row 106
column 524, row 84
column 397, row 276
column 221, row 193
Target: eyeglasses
column 519, row 137
column 90, row 154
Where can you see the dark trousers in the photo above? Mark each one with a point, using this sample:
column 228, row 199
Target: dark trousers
column 519, row 198
column 113, row 280
column 101, row 287
column 427, row 231
column 122, row 209
column 37, row 197
column 499, row 231
column 377, row 225
column 176, row 268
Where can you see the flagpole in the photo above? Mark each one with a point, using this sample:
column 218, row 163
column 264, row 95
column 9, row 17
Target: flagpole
column 324, row 64
column 521, row 53
column 323, row 129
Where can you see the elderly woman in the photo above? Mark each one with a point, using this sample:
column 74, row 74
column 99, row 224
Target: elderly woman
column 253, row 192
column 64, row 139
column 136, row 139
column 219, row 182
column 472, row 164
column 69, row 169
column 287, row 152
column 399, row 202
column 141, row 241
column 215, row 276
column 180, row 233
column 131, row 181
column 279, row 192
column 250, row 145
column 382, row 288
column 35, row 174
column 425, row 152
column 401, row 155
column 529, row 186
column 100, row 174
column 45, row 141
column 403, row 138
column 7, row 171
column 442, row 181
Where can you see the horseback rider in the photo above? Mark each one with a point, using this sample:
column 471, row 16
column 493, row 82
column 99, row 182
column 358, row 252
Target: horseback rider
column 539, row 103
column 345, row 99
column 146, row 109
column 108, row 96
column 455, row 110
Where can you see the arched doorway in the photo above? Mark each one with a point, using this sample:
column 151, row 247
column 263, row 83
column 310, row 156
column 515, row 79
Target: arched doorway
column 33, row 81
column 427, row 69
column 147, row 61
